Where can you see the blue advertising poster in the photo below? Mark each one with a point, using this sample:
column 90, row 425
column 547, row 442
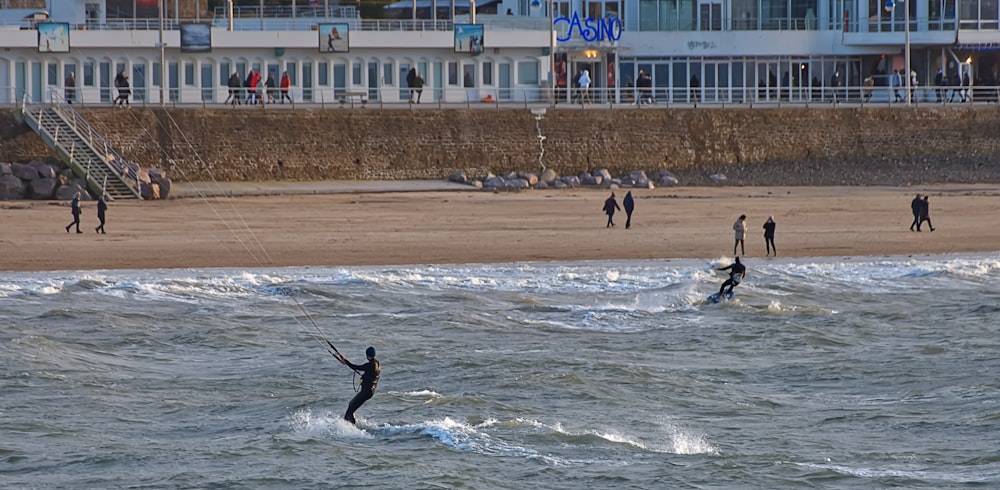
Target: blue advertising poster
column 53, row 37
column 469, row 38
column 196, row 38
column 334, row 38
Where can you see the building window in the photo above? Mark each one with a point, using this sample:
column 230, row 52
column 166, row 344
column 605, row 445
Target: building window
column 88, row 73
column 53, row 71
column 323, row 72
column 487, row 73
column 293, row 76
column 157, row 74
column 452, row 73
column 189, row 74
column 224, row 73
column 527, row 73
column 356, row 70
column 387, row 74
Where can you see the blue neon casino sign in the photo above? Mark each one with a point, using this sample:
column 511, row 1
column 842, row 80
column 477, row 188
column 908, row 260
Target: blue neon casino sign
column 590, row 29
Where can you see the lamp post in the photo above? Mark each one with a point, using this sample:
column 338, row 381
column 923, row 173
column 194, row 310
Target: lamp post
column 891, row 6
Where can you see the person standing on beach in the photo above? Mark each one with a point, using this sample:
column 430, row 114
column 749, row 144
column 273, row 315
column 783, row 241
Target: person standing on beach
column 629, row 204
column 916, row 205
column 740, row 229
column 925, row 213
column 769, row 226
column 102, row 207
column 610, row 205
column 370, row 371
column 75, row 209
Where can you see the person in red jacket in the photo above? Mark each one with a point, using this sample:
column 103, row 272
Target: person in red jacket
column 286, row 82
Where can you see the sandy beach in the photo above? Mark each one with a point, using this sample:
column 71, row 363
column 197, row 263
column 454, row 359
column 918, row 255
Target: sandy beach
column 385, row 228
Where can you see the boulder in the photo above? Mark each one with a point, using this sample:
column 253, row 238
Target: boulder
column 530, row 177
column 603, row 173
column 163, row 184
column 11, row 188
column 718, row 178
column 494, row 183
column 542, row 185
column 549, row 175
column 66, row 192
column 5, row 168
column 44, row 170
column 517, row 184
column 459, row 177
column 571, row 180
column 666, row 178
column 24, row 171
column 587, row 179
column 559, row 184
column 43, row 189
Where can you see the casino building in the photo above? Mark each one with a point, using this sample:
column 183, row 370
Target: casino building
column 694, row 51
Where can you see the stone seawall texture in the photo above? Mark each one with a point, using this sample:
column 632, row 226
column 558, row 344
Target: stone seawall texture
column 761, row 146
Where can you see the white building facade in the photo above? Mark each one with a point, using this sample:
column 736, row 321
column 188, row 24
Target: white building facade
column 694, row 51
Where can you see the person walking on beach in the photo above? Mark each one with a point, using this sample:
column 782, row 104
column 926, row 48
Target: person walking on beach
column 102, row 208
column 75, row 209
column 916, row 205
column 370, row 371
column 629, row 204
column 737, row 271
column 270, row 84
column 740, row 229
column 769, row 226
column 610, row 205
column 925, row 213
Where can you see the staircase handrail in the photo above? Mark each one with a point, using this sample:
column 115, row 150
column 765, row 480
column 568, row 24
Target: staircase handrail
column 118, row 165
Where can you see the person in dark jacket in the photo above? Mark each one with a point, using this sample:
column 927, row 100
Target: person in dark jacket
column 737, row 272
column 102, row 208
column 769, row 226
column 610, row 205
column 629, row 204
column 121, row 82
column 915, row 205
column 925, row 213
column 272, row 87
column 75, row 209
column 234, row 89
column 411, row 79
column 370, row 373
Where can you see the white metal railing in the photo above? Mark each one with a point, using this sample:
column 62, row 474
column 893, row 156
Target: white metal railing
column 63, row 113
column 453, row 97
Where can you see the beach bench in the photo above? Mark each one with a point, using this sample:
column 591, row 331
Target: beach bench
column 360, row 96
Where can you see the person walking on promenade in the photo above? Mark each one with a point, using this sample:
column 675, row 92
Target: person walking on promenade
column 629, row 204
column 411, row 79
column 585, row 86
column 234, row 89
column 418, row 86
column 75, row 209
column 896, row 81
column 740, row 229
column 284, row 85
column 102, row 208
column 271, row 86
column 610, row 205
column 121, row 82
column 916, row 205
column 769, row 226
column 70, row 88
column 251, row 87
column 925, row 213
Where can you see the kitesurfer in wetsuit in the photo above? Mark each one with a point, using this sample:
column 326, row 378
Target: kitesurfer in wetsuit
column 736, row 273
column 370, row 372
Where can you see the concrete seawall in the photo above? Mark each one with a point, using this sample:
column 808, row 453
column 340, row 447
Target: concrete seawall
column 760, row 146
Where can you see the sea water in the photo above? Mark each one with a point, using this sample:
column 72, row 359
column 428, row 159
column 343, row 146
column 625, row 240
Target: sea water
column 828, row 373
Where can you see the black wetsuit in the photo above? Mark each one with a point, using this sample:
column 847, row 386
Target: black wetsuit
column 370, row 373
column 736, row 273
column 629, row 204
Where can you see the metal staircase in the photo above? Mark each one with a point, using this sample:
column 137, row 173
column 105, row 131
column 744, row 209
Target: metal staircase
column 85, row 151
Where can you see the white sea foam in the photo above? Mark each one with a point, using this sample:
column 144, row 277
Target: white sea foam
column 325, row 424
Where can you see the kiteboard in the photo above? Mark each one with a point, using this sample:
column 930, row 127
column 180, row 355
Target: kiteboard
column 716, row 297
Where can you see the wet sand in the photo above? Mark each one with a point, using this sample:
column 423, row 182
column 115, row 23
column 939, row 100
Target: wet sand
column 385, row 228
